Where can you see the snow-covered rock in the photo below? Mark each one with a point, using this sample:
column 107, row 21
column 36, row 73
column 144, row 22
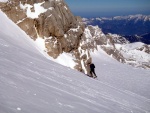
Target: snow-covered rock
column 137, row 54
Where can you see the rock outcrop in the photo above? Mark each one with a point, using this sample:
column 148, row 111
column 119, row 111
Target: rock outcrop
column 50, row 20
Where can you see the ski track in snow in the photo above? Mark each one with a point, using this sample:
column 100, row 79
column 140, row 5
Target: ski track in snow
column 30, row 83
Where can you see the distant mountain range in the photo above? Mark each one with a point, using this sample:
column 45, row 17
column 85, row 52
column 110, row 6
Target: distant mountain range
column 133, row 27
column 145, row 38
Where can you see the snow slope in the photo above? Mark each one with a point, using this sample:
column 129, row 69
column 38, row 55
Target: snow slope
column 30, row 83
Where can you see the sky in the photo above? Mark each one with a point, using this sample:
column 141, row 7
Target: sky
column 108, row 8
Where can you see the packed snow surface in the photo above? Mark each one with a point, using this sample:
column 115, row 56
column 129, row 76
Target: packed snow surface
column 31, row 83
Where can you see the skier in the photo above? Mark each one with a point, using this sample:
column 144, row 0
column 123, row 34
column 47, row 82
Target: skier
column 92, row 70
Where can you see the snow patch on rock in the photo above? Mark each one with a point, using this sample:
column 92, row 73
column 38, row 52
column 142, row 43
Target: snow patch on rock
column 38, row 9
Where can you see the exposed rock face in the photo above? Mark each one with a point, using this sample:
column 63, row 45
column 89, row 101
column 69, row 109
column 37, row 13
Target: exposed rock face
column 52, row 21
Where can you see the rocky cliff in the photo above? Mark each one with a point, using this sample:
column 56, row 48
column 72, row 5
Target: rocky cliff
column 52, row 21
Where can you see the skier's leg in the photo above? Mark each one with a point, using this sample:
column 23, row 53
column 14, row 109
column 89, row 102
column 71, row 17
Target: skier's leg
column 91, row 75
column 94, row 74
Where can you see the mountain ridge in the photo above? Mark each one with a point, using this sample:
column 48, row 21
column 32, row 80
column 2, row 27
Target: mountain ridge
column 127, row 26
column 60, row 32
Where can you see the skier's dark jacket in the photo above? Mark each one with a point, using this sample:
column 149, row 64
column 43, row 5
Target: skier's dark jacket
column 92, row 66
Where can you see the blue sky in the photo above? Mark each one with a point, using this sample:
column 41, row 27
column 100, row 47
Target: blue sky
column 108, row 8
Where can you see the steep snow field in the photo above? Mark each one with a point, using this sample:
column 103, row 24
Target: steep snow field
column 30, row 83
